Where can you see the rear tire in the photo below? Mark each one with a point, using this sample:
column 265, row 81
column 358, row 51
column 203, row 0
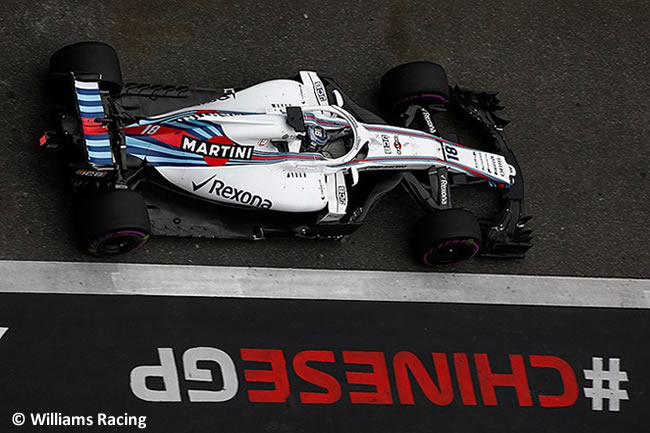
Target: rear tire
column 446, row 236
column 415, row 83
column 86, row 57
column 113, row 223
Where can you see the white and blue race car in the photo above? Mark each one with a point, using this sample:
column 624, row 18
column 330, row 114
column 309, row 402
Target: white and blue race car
column 286, row 157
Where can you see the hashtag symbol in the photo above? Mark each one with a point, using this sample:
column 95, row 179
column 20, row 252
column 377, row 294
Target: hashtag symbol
column 612, row 377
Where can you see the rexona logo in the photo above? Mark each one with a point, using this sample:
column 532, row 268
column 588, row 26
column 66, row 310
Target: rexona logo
column 370, row 377
column 443, row 189
column 427, row 119
column 216, row 150
column 220, row 189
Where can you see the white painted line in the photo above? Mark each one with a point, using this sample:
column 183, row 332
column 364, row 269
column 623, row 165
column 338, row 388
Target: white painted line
column 2, row 332
column 176, row 280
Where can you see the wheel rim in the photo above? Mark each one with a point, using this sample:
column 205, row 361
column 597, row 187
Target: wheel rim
column 451, row 251
column 118, row 242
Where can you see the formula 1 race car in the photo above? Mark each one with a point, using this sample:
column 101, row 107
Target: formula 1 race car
column 286, row 157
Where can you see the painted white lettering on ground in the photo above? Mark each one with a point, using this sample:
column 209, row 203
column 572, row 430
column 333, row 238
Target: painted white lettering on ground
column 166, row 371
column 606, row 384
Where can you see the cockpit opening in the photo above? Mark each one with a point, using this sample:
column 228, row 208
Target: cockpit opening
column 332, row 143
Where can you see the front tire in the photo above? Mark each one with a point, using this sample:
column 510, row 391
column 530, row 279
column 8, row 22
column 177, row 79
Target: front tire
column 415, row 83
column 113, row 223
column 446, row 236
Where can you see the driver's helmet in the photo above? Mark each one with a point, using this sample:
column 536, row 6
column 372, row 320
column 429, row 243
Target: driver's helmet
column 317, row 136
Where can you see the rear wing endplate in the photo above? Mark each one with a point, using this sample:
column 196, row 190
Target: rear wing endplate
column 95, row 132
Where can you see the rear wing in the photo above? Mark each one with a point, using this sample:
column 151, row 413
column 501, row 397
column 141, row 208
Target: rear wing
column 95, row 133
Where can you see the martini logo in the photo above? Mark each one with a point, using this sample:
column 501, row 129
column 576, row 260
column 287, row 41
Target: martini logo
column 397, row 144
column 220, row 189
column 216, row 150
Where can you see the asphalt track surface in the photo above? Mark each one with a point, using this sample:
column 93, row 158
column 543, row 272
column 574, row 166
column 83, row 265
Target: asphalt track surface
column 573, row 77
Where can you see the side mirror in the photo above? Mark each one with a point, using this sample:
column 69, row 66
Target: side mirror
column 338, row 99
column 355, row 176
